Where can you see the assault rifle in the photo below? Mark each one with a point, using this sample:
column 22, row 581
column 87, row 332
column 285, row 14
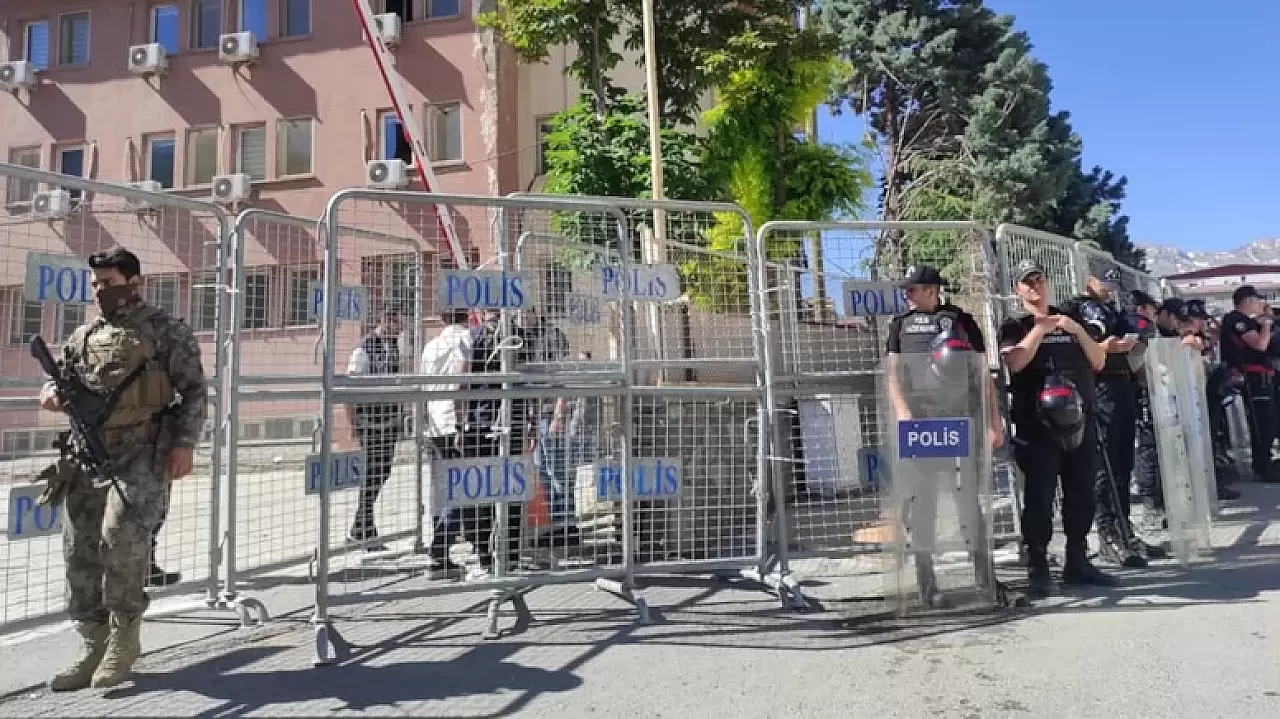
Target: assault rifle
column 85, row 410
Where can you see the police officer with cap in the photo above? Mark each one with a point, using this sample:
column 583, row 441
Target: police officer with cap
column 1192, row 318
column 950, row 338
column 1116, row 416
column 1246, row 333
column 1167, row 317
column 1051, row 361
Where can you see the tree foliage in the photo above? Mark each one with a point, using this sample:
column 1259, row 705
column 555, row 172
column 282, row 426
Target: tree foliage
column 960, row 111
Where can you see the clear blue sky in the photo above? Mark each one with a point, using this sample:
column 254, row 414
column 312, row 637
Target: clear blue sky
column 1182, row 96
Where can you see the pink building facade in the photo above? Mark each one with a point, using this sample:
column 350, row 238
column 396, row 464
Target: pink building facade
column 302, row 121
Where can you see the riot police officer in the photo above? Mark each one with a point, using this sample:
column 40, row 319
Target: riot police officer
column 1116, row 416
column 1192, row 320
column 1167, row 317
column 1147, row 316
column 948, row 338
column 1051, row 361
column 1246, row 332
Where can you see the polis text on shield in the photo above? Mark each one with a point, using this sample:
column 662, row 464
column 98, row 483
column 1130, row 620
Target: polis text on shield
column 932, row 438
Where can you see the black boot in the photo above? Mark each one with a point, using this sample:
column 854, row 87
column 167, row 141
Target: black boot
column 157, row 577
column 1113, row 549
column 1227, row 494
column 1079, row 571
column 927, row 581
column 1039, row 579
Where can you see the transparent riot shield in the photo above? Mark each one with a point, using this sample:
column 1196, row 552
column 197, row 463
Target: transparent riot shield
column 1175, row 379
column 934, row 412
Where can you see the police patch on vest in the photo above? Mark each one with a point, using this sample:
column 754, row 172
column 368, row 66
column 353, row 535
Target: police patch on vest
column 1242, row 327
column 944, row 323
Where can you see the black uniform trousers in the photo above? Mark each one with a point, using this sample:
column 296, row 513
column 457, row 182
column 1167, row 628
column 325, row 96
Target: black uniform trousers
column 1261, row 411
column 1043, row 463
column 1116, row 412
column 1215, row 393
column 379, row 446
column 1147, row 457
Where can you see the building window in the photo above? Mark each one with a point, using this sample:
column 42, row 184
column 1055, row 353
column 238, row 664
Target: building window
column 257, row 296
column 293, row 147
column 71, row 162
column 295, row 18
column 206, row 23
column 443, row 8
column 391, row 139
column 393, row 281
column 18, row 192
column 403, row 8
column 298, row 295
column 35, row 37
column 164, row 27
column 73, row 39
column 27, row 320
column 251, row 152
column 204, row 302
column 162, row 292
column 202, row 156
column 69, row 318
column 446, row 132
column 161, row 157
column 253, row 18
column 544, row 129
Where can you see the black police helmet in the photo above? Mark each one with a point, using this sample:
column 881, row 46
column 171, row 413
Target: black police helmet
column 1062, row 411
column 951, row 356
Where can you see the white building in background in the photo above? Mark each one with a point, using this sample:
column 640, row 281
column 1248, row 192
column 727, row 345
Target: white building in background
column 1215, row 284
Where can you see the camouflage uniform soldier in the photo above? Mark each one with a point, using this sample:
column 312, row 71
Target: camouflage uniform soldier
column 151, row 361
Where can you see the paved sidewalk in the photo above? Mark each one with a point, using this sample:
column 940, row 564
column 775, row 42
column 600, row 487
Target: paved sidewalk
column 1169, row 643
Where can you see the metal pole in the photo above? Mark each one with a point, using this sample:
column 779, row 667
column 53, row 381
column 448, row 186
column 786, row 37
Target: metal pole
column 655, row 117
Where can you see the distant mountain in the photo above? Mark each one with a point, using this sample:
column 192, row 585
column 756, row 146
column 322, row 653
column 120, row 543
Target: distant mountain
column 1166, row 260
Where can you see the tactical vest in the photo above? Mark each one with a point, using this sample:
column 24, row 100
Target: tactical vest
column 120, row 365
column 917, row 334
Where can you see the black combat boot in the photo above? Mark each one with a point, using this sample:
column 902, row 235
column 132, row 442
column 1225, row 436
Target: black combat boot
column 1113, row 549
column 1039, row 580
column 1079, row 571
column 157, row 577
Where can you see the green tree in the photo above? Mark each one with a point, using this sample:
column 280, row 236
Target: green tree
column 1090, row 210
column 960, row 111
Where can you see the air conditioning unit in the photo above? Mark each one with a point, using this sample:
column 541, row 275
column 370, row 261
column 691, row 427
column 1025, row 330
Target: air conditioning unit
column 17, row 75
column 386, row 174
column 149, row 59
column 236, row 47
column 51, row 204
column 231, row 188
column 144, row 186
column 388, row 27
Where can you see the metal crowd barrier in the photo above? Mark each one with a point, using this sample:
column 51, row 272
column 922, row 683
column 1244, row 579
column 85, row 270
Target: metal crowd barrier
column 674, row 392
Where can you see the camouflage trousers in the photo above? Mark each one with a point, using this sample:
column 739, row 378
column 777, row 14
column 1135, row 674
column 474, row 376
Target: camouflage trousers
column 107, row 545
